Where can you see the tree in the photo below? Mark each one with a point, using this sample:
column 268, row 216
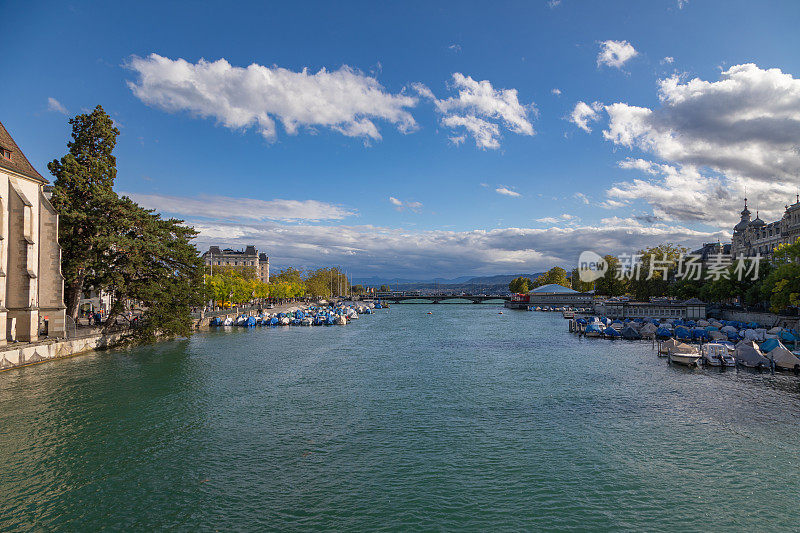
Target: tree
column 657, row 268
column 520, row 285
column 576, row 282
column 290, row 275
column 555, row 276
column 357, row 289
column 83, row 197
column 153, row 262
column 384, row 288
column 782, row 285
column 611, row 284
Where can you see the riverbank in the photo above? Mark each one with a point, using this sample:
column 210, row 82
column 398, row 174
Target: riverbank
column 24, row 354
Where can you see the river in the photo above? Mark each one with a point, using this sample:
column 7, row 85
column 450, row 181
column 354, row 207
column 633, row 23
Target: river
column 462, row 419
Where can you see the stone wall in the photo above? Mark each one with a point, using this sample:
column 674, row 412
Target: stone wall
column 26, row 354
column 768, row 320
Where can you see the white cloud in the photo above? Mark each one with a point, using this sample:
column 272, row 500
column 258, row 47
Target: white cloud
column 458, row 140
column 480, row 109
column 344, row 100
column 55, row 105
column 687, row 194
column 564, row 217
column 615, row 53
column 583, row 113
column 552, row 4
column 582, row 197
column 400, row 205
column 485, row 133
column 668, row 60
column 556, row 91
column 505, row 191
column 682, row 3
column 367, row 250
column 747, row 124
column 227, row 208
column 455, row 47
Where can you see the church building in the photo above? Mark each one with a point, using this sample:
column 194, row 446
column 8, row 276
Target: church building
column 31, row 284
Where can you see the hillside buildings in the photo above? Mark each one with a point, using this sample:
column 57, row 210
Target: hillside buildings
column 754, row 237
column 31, row 284
column 248, row 259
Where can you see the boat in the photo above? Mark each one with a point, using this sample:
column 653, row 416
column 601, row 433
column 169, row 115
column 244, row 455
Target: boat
column 783, row 358
column 593, row 330
column 684, row 354
column 568, row 313
column 665, row 347
column 717, row 354
column 747, row 354
column 631, row 334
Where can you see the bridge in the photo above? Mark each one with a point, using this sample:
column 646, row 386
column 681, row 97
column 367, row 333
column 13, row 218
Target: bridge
column 437, row 298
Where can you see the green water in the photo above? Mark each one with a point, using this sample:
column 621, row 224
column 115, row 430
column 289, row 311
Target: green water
column 464, row 419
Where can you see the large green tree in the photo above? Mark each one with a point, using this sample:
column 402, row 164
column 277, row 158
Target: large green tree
column 555, row 276
column 781, row 286
column 152, row 263
column 656, row 270
column 520, row 285
column 83, row 196
column 111, row 243
column 611, row 283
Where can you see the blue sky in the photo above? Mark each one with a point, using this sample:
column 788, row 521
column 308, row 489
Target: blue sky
column 378, row 172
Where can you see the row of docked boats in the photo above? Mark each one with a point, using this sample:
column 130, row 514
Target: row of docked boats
column 708, row 342
column 325, row 315
column 770, row 355
column 684, row 330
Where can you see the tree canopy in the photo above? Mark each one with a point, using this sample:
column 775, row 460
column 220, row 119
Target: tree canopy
column 111, row 243
column 520, row 285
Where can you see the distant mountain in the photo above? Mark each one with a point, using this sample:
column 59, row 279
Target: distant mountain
column 377, row 280
column 503, row 279
column 488, row 284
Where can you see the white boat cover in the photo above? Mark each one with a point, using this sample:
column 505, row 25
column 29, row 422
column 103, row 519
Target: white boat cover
column 728, row 329
column 648, row 328
column 775, row 330
column 759, row 335
column 717, row 335
column 702, row 323
column 783, row 357
column 748, row 354
column 669, row 345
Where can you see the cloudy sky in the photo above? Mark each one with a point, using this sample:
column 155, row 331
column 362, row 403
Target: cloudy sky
column 425, row 139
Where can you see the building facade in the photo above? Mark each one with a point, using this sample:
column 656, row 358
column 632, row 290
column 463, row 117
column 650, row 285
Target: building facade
column 756, row 237
column 263, row 268
column 249, row 259
column 557, row 295
column 31, row 284
column 692, row 309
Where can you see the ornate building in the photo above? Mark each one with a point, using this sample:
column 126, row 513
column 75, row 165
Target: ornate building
column 31, row 284
column 752, row 237
column 248, row 258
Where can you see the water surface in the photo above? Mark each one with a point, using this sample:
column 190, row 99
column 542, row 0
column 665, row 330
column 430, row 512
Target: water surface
column 463, row 419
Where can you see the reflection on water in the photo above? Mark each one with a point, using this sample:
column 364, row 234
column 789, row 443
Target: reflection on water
column 460, row 419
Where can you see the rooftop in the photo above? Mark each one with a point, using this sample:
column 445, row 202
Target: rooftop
column 18, row 162
column 552, row 287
